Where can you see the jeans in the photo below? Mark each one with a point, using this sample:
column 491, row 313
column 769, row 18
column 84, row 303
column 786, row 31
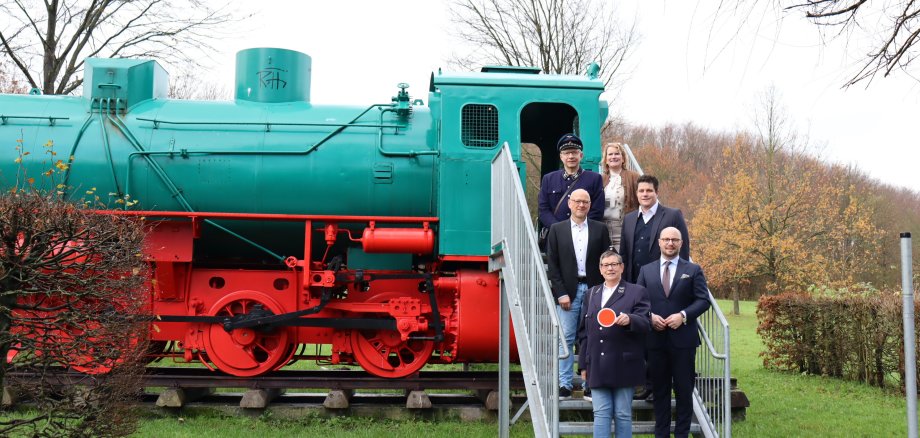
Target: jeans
column 568, row 319
column 619, row 402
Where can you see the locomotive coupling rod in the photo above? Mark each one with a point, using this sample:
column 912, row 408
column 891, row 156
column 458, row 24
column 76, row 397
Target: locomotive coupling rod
column 257, row 318
column 265, row 319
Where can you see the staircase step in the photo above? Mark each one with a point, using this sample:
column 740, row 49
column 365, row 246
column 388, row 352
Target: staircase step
column 580, row 404
column 638, row 427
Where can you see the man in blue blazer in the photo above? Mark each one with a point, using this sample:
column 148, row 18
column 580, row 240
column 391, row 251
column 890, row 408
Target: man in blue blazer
column 679, row 295
column 612, row 351
column 641, row 228
column 552, row 205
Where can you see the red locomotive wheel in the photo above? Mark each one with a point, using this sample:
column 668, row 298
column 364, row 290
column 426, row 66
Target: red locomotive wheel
column 382, row 353
column 247, row 352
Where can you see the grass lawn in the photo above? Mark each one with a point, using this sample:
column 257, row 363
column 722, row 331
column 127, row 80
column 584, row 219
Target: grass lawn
column 793, row 405
column 782, row 405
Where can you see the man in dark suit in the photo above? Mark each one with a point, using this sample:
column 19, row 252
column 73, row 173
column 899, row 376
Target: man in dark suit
column 641, row 228
column 611, row 353
column 679, row 295
column 573, row 250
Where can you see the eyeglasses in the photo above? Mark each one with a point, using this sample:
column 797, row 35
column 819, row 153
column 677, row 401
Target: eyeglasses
column 609, row 265
column 664, row 240
column 579, row 202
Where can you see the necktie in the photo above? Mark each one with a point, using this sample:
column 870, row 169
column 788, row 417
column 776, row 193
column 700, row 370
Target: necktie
column 666, row 279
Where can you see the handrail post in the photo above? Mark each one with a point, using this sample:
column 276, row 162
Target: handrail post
column 910, row 353
column 504, row 366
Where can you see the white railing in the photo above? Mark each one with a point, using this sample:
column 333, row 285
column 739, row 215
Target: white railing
column 527, row 297
column 712, row 396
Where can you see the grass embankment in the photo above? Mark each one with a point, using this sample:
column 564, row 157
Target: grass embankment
column 782, row 405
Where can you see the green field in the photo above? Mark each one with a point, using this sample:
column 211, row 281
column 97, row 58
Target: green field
column 782, row 405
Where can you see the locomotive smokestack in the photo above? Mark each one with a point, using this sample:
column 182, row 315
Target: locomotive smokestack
column 272, row 75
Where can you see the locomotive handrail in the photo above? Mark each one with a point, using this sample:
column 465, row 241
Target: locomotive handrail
column 51, row 119
column 268, row 125
column 386, row 153
column 266, row 216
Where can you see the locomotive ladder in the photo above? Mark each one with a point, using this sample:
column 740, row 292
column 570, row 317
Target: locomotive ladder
column 525, row 294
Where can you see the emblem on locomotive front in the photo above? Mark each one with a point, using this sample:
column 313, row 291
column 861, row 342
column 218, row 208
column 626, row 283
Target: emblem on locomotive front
column 270, row 77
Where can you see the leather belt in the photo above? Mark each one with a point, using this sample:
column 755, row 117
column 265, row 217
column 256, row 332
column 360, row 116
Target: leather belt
column 582, row 279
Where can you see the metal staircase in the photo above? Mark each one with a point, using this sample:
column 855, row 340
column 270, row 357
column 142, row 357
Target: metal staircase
column 526, row 297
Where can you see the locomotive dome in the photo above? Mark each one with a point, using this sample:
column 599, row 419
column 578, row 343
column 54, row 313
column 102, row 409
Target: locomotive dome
column 272, row 75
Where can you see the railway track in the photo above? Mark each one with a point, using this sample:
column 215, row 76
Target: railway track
column 436, row 394
column 342, row 379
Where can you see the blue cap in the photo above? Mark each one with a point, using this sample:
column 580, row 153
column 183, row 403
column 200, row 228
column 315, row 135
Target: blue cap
column 569, row 141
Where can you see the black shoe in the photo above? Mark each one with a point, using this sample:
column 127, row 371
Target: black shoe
column 644, row 394
column 565, row 392
column 650, row 398
column 587, row 395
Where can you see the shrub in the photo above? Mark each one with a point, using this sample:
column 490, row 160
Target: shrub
column 850, row 335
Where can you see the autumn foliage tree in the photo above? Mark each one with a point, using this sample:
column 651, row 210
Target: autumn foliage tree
column 765, row 216
column 778, row 220
column 72, row 294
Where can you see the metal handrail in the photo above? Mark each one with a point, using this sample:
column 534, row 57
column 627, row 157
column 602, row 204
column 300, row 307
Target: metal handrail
column 712, row 394
column 526, row 292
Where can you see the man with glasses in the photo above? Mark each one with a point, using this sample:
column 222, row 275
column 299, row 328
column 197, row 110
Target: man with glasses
column 611, row 340
column 573, row 252
column 558, row 185
column 641, row 228
column 679, row 295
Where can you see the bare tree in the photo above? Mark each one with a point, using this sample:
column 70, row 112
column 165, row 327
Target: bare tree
column 48, row 41
column 9, row 84
column 890, row 30
column 559, row 36
column 188, row 85
column 72, row 293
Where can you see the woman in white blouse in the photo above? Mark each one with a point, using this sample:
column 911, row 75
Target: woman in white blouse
column 619, row 189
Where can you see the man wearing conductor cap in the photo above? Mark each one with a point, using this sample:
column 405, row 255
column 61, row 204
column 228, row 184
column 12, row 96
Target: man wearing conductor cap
column 558, row 185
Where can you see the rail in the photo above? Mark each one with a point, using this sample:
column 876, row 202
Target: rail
column 712, row 394
column 526, row 293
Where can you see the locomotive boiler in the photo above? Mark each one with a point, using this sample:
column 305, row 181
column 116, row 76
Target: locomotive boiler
column 280, row 230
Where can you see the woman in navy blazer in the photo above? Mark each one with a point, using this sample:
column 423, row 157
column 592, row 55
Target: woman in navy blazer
column 612, row 353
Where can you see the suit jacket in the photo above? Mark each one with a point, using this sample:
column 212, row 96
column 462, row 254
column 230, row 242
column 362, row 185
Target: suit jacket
column 553, row 186
column 688, row 293
column 560, row 256
column 664, row 217
column 614, row 356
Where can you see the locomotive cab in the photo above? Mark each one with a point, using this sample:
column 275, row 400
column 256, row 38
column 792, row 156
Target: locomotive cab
column 481, row 111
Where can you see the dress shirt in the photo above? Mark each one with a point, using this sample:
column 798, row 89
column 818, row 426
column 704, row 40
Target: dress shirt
column 580, row 242
column 607, row 293
column 672, row 269
column 648, row 215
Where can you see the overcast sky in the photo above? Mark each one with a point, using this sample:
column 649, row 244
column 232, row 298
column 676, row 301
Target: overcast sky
column 685, row 70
